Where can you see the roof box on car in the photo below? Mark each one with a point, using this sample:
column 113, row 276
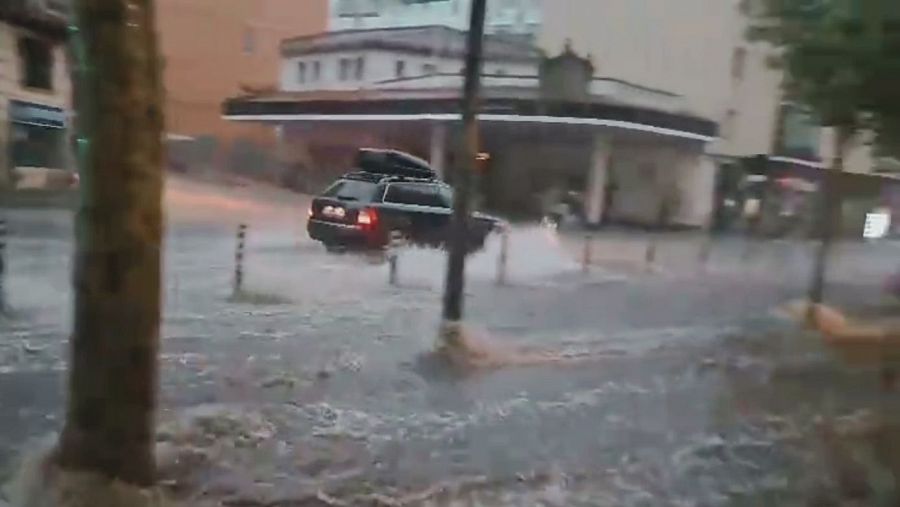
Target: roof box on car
column 393, row 163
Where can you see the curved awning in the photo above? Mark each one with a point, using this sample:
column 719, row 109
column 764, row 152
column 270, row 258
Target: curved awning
column 354, row 106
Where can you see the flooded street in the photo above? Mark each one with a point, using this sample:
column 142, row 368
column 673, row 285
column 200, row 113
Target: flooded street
column 319, row 384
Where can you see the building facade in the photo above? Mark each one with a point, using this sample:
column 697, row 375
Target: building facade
column 214, row 49
column 372, row 58
column 698, row 49
column 34, row 93
column 512, row 17
column 547, row 124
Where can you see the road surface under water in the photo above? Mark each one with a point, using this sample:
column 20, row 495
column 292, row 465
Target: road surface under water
column 319, row 383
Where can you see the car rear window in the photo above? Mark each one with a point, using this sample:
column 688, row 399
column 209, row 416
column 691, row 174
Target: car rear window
column 420, row 194
column 351, row 190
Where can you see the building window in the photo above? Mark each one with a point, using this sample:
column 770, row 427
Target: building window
column 346, row 8
column 738, row 62
column 429, row 69
column 729, row 125
column 36, row 62
column 360, row 68
column 249, row 41
column 301, row 72
column 400, row 69
column 345, row 68
column 317, row 70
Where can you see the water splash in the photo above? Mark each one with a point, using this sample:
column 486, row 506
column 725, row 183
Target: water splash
column 469, row 348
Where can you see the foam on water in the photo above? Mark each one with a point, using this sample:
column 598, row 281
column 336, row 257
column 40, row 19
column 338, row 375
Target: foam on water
column 534, row 256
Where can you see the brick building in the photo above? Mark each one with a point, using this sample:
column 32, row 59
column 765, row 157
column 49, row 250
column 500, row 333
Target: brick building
column 214, row 49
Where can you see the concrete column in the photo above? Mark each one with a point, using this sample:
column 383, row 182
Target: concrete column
column 696, row 172
column 438, row 147
column 596, row 180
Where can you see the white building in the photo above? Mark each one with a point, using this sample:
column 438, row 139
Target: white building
column 359, row 59
column 545, row 122
column 520, row 17
column 698, row 49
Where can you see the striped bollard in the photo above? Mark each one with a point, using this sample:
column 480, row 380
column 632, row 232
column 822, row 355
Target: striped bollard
column 239, row 258
column 396, row 241
column 503, row 258
column 2, row 265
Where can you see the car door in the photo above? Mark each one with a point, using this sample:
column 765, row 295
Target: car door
column 420, row 209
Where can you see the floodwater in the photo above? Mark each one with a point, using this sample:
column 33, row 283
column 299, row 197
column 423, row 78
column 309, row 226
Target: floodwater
column 320, row 384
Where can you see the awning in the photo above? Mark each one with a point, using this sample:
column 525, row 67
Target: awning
column 39, row 115
column 390, row 107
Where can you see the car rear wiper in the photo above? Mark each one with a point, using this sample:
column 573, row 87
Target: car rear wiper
column 346, row 198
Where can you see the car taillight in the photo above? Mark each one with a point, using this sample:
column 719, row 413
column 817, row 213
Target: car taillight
column 366, row 217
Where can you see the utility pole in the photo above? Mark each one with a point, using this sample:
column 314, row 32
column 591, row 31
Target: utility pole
column 456, row 264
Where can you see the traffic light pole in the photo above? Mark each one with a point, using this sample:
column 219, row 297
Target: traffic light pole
column 456, row 265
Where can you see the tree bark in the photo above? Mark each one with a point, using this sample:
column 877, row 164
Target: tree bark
column 830, row 214
column 462, row 181
column 113, row 371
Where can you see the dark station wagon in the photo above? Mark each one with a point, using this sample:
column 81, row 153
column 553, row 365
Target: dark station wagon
column 390, row 193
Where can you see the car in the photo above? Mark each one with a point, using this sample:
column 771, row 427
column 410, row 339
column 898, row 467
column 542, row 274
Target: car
column 390, row 194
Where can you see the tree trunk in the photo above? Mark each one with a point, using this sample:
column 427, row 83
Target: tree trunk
column 462, row 181
column 110, row 421
column 830, row 215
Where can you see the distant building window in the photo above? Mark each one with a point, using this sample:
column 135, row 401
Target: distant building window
column 346, row 8
column 729, row 126
column 400, row 69
column 738, row 63
column 301, row 72
column 429, row 69
column 344, row 69
column 36, row 62
column 360, row 68
column 249, row 41
column 317, row 70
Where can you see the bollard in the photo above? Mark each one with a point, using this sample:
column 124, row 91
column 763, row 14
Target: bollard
column 239, row 258
column 2, row 265
column 396, row 241
column 392, row 265
column 705, row 253
column 503, row 257
column 586, row 257
column 650, row 256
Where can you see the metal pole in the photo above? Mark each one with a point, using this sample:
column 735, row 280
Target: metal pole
column 239, row 258
column 503, row 258
column 586, row 257
column 2, row 265
column 456, row 262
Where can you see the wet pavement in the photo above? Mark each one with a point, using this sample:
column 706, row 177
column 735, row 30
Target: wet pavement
column 319, row 384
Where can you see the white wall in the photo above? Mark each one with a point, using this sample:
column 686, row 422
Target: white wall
column 647, row 172
column 380, row 65
column 687, row 47
column 511, row 16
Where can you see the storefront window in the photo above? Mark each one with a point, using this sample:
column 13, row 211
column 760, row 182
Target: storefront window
column 35, row 146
